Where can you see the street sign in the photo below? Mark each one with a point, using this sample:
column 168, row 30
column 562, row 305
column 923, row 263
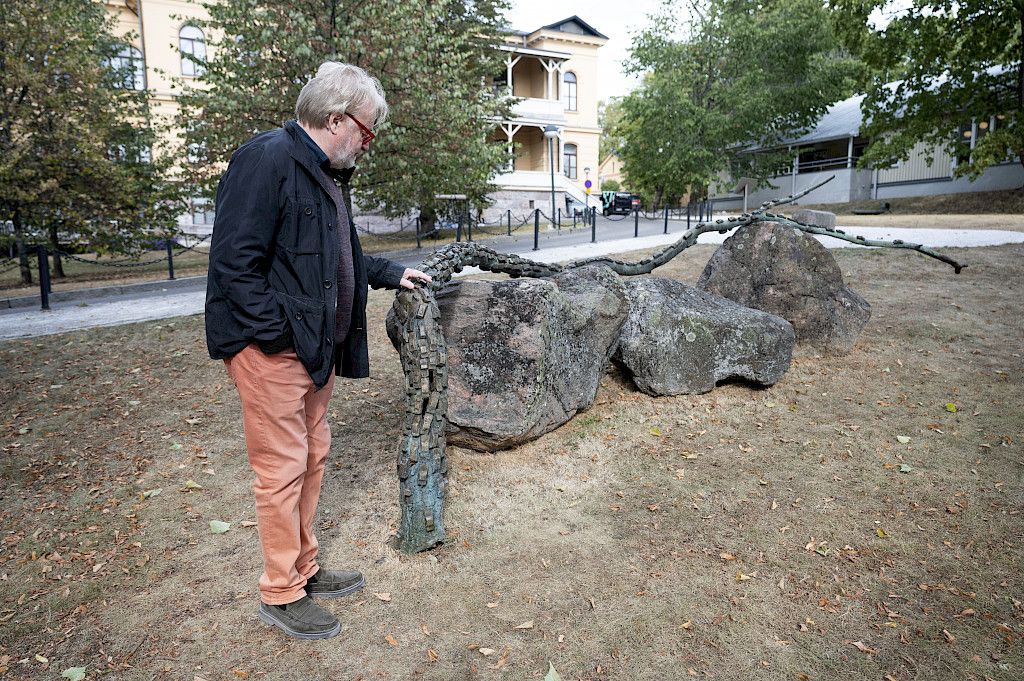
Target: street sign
column 588, row 191
column 588, row 184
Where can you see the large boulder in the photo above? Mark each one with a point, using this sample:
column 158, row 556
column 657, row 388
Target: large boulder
column 784, row 271
column 818, row 218
column 679, row 340
column 525, row 355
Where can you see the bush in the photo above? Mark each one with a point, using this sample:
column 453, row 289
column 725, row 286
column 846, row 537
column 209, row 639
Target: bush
column 610, row 186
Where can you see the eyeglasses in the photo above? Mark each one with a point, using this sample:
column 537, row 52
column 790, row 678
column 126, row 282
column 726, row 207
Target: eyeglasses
column 368, row 135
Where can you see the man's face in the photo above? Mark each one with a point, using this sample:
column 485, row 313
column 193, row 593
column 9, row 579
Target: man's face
column 349, row 138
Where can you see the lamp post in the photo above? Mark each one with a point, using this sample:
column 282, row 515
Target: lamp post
column 551, row 132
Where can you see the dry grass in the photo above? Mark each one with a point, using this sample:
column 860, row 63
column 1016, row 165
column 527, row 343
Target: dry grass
column 738, row 539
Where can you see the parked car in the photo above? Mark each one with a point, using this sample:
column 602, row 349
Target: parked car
column 616, row 203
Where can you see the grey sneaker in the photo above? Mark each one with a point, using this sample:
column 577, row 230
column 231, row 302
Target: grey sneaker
column 302, row 619
column 334, row 584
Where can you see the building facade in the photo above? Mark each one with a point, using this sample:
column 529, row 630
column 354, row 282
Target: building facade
column 834, row 147
column 553, row 72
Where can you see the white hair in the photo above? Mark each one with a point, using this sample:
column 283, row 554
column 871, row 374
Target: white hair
column 337, row 88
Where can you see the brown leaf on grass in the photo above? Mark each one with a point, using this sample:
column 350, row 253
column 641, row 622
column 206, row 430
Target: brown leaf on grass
column 391, row 640
column 492, row 605
column 247, row 523
column 802, row 676
column 686, row 625
column 528, row 624
column 1005, row 628
column 859, row 645
column 240, row 674
column 432, row 655
column 950, row 638
column 423, row 628
column 726, row 556
column 384, row 596
column 486, row 652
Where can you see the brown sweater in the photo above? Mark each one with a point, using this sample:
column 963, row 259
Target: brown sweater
column 346, row 273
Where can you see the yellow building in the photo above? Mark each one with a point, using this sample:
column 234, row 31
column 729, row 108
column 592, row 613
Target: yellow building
column 553, row 69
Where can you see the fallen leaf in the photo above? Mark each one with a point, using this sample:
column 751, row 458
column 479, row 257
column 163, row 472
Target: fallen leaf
column 385, row 596
column 950, row 638
column 950, row 407
column 552, row 675
column 859, row 645
column 74, row 673
column 149, row 493
column 882, row 534
column 247, row 523
column 391, row 640
column 742, row 577
column 492, row 605
column 240, row 674
column 688, row 624
column 219, row 526
column 656, row 431
column 41, row 659
column 486, row 652
column 432, row 655
column 192, row 484
column 528, row 624
column 902, row 439
column 904, row 468
column 726, row 556
column 423, row 628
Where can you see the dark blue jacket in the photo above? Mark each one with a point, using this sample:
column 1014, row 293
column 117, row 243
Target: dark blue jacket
column 273, row 260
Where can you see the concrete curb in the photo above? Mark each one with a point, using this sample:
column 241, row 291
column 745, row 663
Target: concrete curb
column 185, row 283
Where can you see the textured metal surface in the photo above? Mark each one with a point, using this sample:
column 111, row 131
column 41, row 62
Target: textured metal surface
column 422, row 463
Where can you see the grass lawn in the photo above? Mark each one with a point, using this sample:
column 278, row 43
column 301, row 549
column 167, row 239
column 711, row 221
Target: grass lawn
column 861, row 519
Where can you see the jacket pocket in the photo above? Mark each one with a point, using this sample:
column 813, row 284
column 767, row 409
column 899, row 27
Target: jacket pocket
column 306, row 318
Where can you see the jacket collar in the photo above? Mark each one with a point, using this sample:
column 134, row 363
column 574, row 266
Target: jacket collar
column 304, row 156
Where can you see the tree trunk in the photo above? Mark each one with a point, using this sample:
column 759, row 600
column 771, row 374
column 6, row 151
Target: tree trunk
column 19, row 239
column 659, row 192
column 58, row 266
column 428, row 219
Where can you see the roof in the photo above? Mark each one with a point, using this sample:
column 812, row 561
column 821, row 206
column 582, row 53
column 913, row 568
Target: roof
column 574, row 25
column 842, row 119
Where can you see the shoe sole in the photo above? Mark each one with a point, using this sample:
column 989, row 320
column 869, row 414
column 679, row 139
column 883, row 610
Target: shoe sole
column 347, row 591
column 267, row 619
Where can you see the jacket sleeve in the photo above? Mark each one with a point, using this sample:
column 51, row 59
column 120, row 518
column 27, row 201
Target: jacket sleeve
column 383, row 273
column 244, row 231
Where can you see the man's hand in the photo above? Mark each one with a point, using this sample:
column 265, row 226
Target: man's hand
column 412, row 275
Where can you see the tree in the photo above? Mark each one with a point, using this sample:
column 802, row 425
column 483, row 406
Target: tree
column 608, row 116
column 744, row 74
column 952, row 63
column 436, row 61
column 75, row 143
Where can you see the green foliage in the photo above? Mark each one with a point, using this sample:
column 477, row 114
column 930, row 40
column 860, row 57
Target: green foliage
column 952, row 62
column 436, row 61
column 74, row 142
column 743, row 74
column 610, row 186
column 609, row 114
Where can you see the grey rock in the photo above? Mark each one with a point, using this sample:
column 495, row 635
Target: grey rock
column 818, row 218
column 784, row 271
column 680, row 340
column 525, row 355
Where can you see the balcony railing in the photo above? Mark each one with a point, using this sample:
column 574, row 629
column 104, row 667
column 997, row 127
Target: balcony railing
column 546, row 109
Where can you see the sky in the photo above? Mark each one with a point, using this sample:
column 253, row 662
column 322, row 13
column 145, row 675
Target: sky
column 614, row 18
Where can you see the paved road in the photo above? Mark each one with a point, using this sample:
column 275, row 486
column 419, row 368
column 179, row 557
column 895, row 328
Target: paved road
column 82, row 310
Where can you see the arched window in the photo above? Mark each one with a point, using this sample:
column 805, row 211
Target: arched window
column 570, row 90
column 191, row 43
column 129, row 69
column 569, row 161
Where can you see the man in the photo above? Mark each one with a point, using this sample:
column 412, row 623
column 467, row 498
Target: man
column 286, row 311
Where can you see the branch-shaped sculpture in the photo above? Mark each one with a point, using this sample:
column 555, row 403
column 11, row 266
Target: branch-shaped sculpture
column 422, row 461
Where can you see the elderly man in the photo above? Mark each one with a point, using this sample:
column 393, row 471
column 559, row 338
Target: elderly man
column 286, row 311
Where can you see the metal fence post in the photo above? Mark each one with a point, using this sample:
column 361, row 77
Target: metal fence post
column 636, row 222
column 458, row 230
column 419, row 220
column 169, row 245
column 666, row 218
column 44, row 278
column 536, row 229
column 711, row 210
column 689, row 205
column 593, row 227
column 510, row 222
column 469, row 223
